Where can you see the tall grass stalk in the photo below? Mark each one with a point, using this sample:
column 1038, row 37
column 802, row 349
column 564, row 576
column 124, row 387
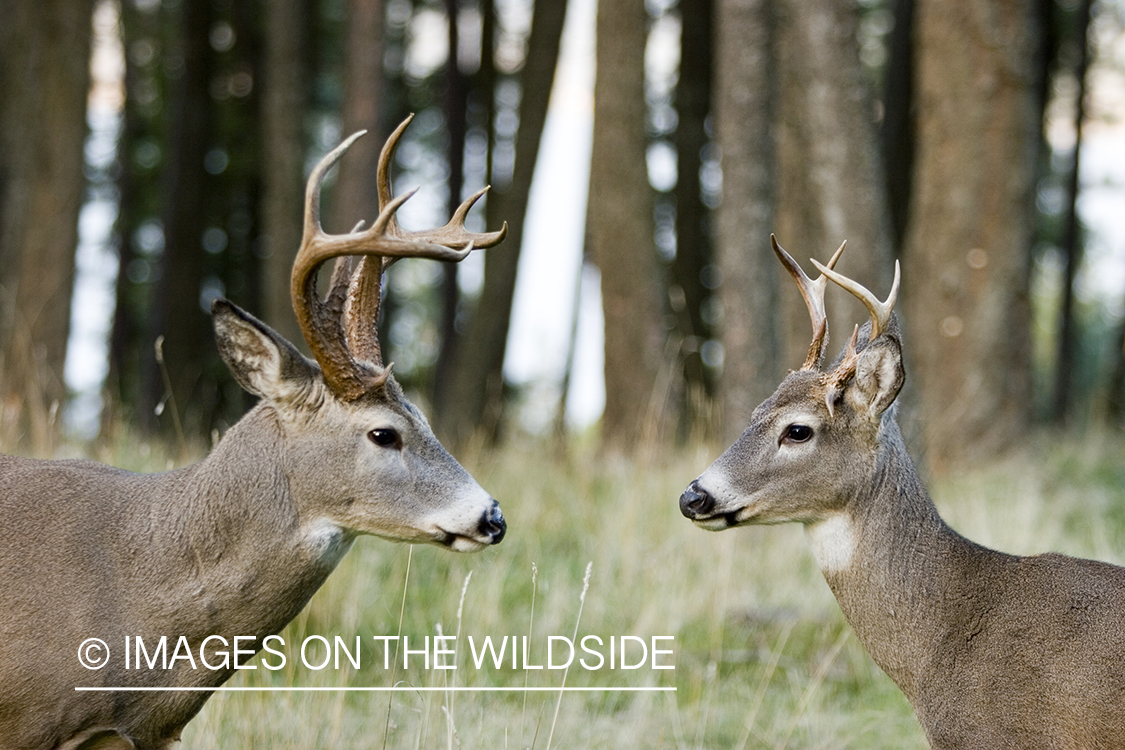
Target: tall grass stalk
column 566, row 671
column 530, row 631
column 451, row 695
column 398, row 640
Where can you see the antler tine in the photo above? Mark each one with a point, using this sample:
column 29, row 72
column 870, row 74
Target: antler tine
column 880, row 311
column 383, row 170
column 341, row 329
column 813, row 293
column 454, row 233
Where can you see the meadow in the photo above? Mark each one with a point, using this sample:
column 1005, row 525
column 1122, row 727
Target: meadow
column 762, row 656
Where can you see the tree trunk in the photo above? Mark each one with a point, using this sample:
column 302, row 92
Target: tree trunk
column 745, row 105
column 620, row 223
column 693, row 240
column 284, row 100
column 44, row 81
column 831, row 186
column 1066, row 345
column 966, row 257
column 896, row 132
column 456, row 118
column 476, row 381
column 177, row 315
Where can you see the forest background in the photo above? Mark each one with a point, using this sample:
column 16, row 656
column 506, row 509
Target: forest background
column 977, row 144
column 153, row 155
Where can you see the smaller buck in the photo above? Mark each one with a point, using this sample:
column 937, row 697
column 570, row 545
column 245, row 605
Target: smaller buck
column 992, row 650
column 235, row 545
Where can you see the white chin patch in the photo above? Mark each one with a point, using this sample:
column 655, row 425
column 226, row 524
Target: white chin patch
column 715, row 523
column 833, row 541
column 465, row 544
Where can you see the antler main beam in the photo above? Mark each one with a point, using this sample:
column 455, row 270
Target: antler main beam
column 341, row 328
column 813, row 292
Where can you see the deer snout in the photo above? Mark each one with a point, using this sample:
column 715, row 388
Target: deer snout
column 696, row 501
column 492, row 525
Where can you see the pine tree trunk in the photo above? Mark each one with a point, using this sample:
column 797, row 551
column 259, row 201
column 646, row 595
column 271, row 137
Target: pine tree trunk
column 745, row 106
column 475, row 386
column 284, row 101
column 44, row 80
column 620, row 224
column 693, row 240
column 176, row 314
column 831, row 186
column 966, row 257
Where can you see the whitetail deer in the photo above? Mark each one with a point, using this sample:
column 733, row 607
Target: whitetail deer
column 992, row 650
column 236, row 544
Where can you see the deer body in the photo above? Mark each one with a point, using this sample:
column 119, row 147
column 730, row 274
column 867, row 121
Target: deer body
column 235, row 545
column 237, row 556
column 992, row 650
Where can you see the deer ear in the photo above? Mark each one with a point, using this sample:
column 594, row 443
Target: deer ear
column 879, row 375
column 260, row 359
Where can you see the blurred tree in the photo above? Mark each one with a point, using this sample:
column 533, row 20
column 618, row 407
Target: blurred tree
column 474, row 392
column 896, row 131
column 176, row 313
column 966, row 283
column 136, row 230
column 44, row 81
column 620, row 226
column 691, row 273
column 189, row 181
column 745, row 106
column 1066, row 344
column 457, row 85
column 831, row 178
column 285, row 100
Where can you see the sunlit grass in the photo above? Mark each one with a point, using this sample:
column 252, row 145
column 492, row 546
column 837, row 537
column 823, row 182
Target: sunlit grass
column 763, row 658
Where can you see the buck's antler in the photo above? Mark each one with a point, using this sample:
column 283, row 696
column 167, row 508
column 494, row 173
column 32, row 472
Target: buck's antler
column 341, row 329
column 880, row 320
column 813, row 292
column 880, row 311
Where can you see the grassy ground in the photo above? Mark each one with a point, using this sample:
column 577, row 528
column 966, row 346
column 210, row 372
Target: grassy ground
column 763, row 659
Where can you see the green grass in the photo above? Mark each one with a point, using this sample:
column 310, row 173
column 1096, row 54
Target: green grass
column 763, row 658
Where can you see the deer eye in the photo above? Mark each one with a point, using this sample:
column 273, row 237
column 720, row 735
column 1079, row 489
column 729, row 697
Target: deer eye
column 797, row 433
column 385, row 437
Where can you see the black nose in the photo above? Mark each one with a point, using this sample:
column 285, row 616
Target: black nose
column 492, row 523
column 696, row 501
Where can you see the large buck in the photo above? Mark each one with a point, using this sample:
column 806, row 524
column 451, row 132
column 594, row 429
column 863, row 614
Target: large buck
column 236, row 544
column 992, row 650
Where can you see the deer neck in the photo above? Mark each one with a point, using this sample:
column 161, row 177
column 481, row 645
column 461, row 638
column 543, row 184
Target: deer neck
column 247, row 560
column 892, row 562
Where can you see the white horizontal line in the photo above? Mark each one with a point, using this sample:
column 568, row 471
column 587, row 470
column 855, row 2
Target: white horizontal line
column 399, row 689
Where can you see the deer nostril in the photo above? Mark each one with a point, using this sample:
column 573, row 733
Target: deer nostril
column 492, row 524
column 696, row 501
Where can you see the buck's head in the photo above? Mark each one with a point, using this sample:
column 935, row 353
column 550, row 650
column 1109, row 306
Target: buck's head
column 356, row 453
column 814, row 441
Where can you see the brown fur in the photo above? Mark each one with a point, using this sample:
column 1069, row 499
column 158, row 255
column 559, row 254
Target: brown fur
column 234, row 545
column 992, row 650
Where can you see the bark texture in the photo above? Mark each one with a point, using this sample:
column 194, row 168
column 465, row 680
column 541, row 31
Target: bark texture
column 44, row 81
column 620, row 225
column 745, row 103
column 831, row 185
column 966, row 257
